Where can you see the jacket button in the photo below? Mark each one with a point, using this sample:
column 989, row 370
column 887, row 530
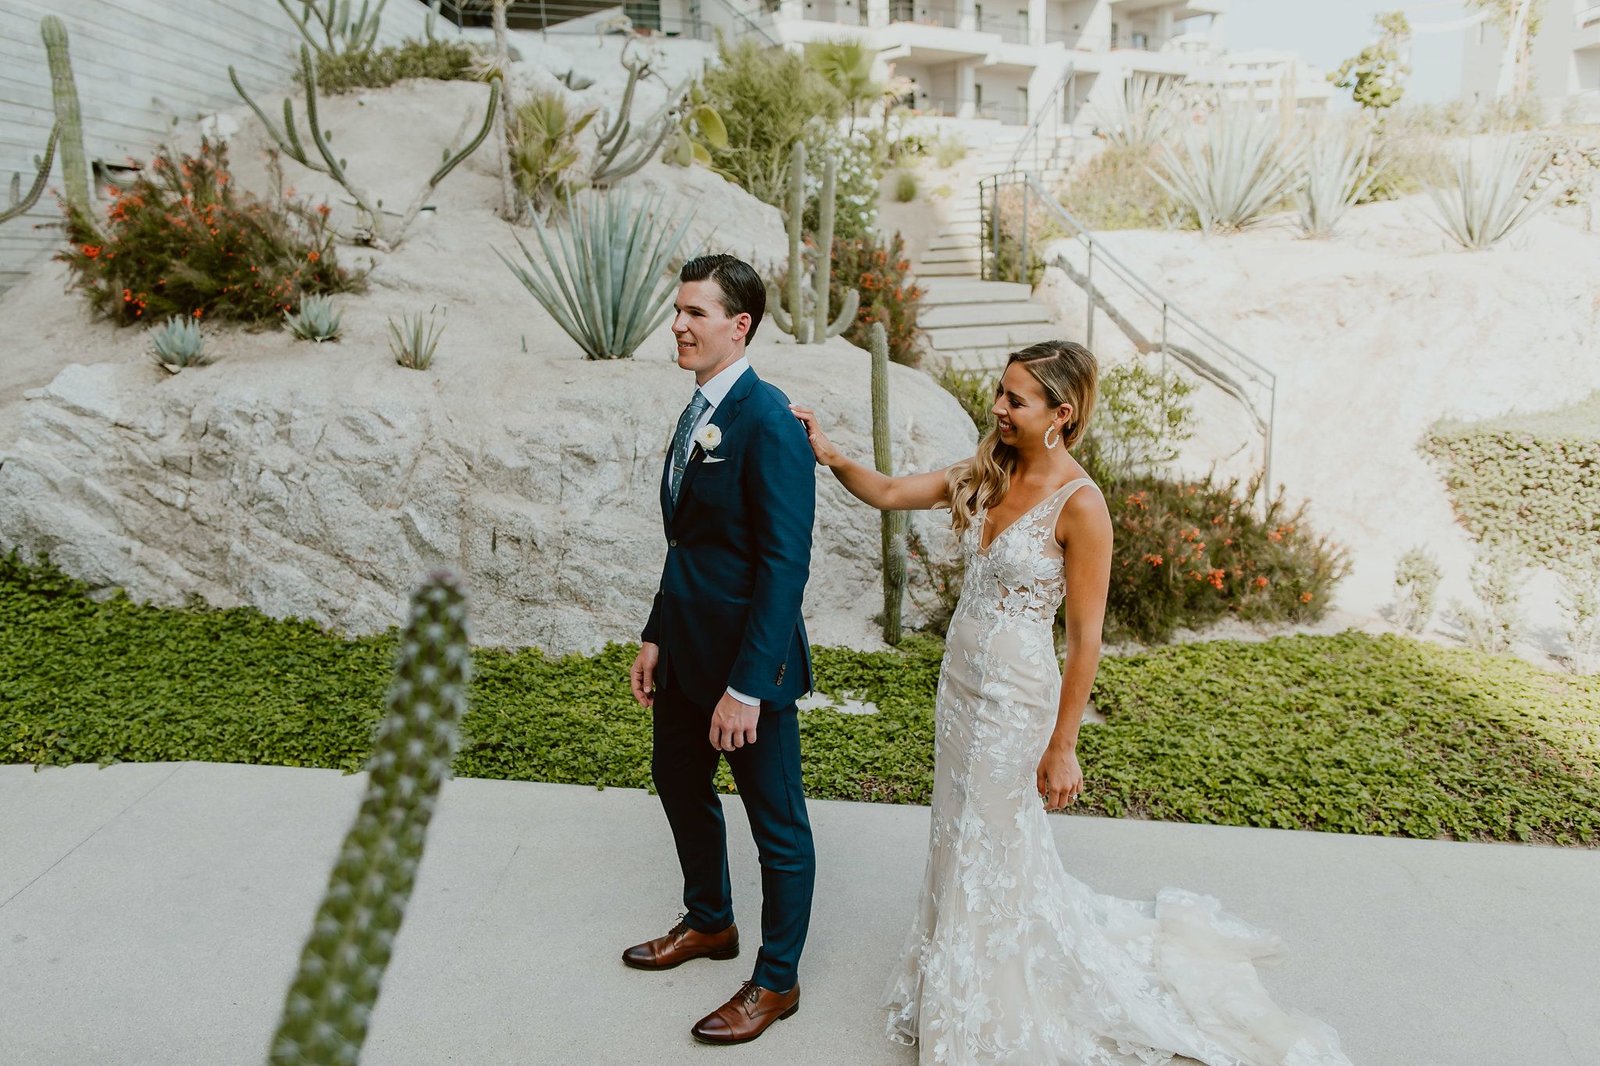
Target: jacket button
column 672, row 544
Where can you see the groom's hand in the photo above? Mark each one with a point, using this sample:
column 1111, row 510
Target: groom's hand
column 643, row 674
column 733, row 723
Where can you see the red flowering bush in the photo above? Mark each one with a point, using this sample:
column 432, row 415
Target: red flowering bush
column 882, row 274
column 183, row 241
column 1187, row 553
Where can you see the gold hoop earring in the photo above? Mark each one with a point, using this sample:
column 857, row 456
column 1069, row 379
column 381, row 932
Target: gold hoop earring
column 1048, row 443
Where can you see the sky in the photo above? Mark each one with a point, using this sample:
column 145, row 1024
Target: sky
column 1327, row 32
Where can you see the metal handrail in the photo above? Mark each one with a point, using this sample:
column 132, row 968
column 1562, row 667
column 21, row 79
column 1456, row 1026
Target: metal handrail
column 1209, row 357
column 551, row 16
column 1030, row 137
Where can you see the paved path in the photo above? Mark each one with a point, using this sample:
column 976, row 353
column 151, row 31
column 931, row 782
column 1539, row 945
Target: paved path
column 153, row 913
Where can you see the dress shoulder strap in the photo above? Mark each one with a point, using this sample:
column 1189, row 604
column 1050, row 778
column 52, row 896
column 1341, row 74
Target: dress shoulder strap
column 1066, row 493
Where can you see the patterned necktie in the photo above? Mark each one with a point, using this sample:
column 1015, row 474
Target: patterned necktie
column 680, row 440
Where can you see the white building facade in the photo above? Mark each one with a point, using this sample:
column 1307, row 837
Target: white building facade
column 1564, row 61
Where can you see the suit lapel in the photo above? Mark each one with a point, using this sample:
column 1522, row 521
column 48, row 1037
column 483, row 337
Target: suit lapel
column 723, row 417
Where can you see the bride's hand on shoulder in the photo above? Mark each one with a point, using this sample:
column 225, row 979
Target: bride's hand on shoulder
column 824, row 449
column 1059, row 778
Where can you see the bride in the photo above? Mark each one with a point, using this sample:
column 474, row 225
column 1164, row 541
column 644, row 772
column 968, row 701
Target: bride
column 1010, row 959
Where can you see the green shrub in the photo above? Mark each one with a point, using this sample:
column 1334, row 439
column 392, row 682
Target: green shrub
column 1117, row 190
column 1350, row 733
column 905, row 186
column 375, row 68
column 768, row 99
column 1416, row 582
column 948, row 151
column 881, row 273
column 974, row 390
column 1497, row 581
column 543, row 136
column 1529, row 484
column 1142, row 415
column 855, row 190
column 184, row 241
column 1190, row 553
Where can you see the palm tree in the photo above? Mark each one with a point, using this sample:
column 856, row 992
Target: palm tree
column 847, row 66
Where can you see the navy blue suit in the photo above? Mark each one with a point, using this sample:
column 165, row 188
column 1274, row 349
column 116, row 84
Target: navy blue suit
column 728, row 615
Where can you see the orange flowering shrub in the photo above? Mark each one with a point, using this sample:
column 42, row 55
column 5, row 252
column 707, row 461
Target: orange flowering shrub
column 183, row 241
column 882, row 274
column 1187, row 553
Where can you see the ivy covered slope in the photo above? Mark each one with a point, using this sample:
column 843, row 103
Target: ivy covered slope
column 1349, row 733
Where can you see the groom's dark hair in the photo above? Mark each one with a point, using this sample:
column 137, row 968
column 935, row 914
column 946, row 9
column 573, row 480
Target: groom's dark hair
column 742, row 290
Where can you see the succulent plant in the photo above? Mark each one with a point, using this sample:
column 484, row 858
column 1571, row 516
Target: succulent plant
column 316, row 320
column 1231, row 171
column 894, row 523
column 806, row 317
column 606, row 277
column 21, row 204
column 414, row 338
column 622, row 149
column 1493, row 195
column 69, row 117
column 178, row 343
column 1339, row 173
column 341, row 30
column 330, row 1002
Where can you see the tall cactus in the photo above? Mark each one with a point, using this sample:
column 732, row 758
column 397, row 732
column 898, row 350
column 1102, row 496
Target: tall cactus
column 328, row 1006
column 894, row 523
column 618, row 133
column 20, row 204
column 69, row 117
column 806, row 317
column 378, row 232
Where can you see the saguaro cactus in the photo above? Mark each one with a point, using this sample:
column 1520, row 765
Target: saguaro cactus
column 326, row 1011
column 894, row 522
column 806, row 317
column 69, row 118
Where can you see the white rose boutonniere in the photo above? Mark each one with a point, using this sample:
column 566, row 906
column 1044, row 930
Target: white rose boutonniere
column 708, row 438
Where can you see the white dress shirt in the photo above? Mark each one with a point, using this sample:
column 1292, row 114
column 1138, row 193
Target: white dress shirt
column 715, row 391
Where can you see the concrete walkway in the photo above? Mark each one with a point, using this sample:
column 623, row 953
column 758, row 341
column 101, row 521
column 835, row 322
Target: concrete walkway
column 153, row 914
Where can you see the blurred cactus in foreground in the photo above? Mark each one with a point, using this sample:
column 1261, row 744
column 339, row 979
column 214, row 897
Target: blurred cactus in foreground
column 895, row 523
column 330, row 1003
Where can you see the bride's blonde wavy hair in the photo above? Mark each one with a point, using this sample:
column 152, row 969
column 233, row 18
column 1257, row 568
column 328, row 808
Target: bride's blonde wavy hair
column 1067, row 373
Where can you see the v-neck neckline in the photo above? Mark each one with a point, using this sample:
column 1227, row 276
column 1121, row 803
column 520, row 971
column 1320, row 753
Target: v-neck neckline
column 984, row 549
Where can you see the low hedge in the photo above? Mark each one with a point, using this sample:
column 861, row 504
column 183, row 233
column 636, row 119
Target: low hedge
column 1350, row 733
column 1531, row 482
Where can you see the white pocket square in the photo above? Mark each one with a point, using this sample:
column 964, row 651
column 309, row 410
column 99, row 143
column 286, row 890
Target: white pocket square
column 714, row 459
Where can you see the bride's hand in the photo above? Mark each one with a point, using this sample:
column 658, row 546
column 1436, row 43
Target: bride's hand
column 823, row 448
column 1060, row 780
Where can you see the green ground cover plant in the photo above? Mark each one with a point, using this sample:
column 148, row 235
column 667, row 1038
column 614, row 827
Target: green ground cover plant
column 1350, row 733
column 376, row 68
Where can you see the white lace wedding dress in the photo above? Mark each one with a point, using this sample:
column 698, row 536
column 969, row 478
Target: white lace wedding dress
column 1010, row 959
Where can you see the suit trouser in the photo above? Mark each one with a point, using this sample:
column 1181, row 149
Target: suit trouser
column 767, row 773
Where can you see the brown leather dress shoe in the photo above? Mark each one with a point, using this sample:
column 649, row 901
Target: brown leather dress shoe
column 747, row 1015
column 682, row 944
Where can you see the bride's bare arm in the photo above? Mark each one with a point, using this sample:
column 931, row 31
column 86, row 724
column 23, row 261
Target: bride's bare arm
column 1084, row 529
column 913, row 492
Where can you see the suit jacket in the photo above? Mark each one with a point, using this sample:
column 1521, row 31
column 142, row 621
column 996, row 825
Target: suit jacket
column 738, row 555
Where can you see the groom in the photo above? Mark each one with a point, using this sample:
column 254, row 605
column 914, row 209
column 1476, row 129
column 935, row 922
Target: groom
column 724, row 655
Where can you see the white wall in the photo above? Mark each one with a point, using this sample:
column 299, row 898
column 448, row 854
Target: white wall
column 139, row 65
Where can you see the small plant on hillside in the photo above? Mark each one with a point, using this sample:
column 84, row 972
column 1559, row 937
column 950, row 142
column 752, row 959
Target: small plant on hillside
column 1142, row 115
column 544, row 147
column 881, row 273
column 1141, row 417
column 1117, row 189
column 905, row 186
column 1231, row 172
column 1339, row 173
column 1375, row 76
column 1416, row 583
column 414, row 339
column 1497, row 580
column 316, row 320
column 948, row 150
column 768, row 99
column 605, row 275
column 377, row 68
column 178, row 343
column 974, row 390
column 184, row 240
column 1494, row 194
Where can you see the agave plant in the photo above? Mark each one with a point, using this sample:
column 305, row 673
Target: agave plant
column 1231, row 172
column 178, row 343
column 316, row 320
column 544, row 136
column 1143, row 115
column 605, row 277
column 1339, row 173
column 414, row 338
column 1493, row 196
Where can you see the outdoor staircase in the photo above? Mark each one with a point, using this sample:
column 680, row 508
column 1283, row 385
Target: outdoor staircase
column 970, row 323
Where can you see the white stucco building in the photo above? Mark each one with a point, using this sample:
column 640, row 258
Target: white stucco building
column 1564, row 62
